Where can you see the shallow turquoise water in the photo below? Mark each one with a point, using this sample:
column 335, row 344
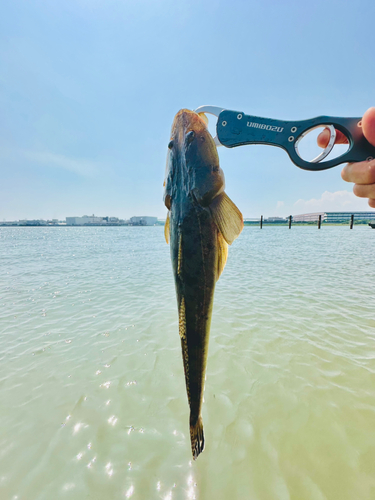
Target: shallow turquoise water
column 93, row 401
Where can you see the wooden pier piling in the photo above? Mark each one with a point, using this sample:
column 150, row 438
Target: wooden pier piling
column 319, row 221
column 261, row 222
column 290, row 221
column 351, row 221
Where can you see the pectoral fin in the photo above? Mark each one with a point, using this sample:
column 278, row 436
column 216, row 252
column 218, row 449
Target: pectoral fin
column 227, row 217
column 166, row 229
column 222, row 254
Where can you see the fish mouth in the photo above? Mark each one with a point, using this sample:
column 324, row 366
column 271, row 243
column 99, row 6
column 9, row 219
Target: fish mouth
column 184, row 122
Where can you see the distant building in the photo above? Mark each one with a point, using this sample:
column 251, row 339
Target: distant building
column 314, row 217
column 266, row 220
column 34, row 222
column 9, row 223
column 143, row 221
column 334, row 217
column 85, row 220
column 275, row 219
column 345, row 216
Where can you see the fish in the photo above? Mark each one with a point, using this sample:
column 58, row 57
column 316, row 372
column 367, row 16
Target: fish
column 201, row 222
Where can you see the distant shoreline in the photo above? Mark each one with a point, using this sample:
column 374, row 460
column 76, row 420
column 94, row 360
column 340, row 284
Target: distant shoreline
column 81, row 225
column 161, row 223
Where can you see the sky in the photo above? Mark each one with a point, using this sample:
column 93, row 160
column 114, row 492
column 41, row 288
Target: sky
column 89, row 89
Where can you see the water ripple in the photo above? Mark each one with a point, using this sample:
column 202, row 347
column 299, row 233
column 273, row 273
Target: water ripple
column 93, row 395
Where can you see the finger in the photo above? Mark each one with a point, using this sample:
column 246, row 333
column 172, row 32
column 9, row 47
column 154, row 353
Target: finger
column 371, row 202
column 364, row 190
column 368, row 125
column 360, row 173
column 324, row 137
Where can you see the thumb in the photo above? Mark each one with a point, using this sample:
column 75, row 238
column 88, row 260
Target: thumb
column 368, row 125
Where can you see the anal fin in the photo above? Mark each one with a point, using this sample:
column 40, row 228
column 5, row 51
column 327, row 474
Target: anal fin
column 184, row 346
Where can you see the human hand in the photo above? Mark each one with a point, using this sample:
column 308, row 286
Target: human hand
column 362, row 173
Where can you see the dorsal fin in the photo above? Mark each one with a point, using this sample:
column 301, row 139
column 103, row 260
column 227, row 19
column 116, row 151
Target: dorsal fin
column 227, row 217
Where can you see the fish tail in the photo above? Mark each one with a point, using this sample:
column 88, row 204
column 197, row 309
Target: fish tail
column 197, row 437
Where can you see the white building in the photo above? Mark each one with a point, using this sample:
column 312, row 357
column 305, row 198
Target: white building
column 86, row 219
column 314, row 217
column 334, row 216
column 143, row 221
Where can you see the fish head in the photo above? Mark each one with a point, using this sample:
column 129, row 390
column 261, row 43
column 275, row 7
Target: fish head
column 192, row 163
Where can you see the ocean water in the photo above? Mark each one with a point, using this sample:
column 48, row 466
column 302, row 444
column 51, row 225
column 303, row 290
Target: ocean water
column 93, row 401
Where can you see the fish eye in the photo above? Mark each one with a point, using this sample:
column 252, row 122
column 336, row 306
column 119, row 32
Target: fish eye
column 170, row 145
column 190, row 136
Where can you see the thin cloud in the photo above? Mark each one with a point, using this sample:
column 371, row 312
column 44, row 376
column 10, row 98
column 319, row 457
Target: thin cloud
column 339, row 201
column 84, row 168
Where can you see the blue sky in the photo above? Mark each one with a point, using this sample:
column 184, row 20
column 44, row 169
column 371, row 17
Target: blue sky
column 89, row 89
